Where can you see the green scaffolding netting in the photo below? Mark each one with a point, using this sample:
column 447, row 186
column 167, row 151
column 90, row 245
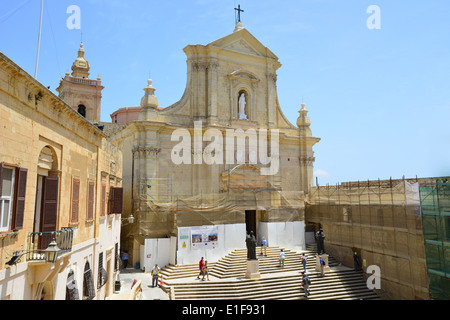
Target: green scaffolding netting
column 435, row 205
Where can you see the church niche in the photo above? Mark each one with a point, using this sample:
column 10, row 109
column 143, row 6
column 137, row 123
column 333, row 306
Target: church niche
column 243, row 85
column 242, row 103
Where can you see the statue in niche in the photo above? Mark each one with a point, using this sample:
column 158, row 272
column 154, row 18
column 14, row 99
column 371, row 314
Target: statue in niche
column 242, row 103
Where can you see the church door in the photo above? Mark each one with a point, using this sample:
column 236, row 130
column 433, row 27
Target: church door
column 250, row 221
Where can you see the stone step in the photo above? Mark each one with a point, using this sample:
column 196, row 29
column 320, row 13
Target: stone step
column 318, row 281
column 278, row 291
column 288, row 286
column 277, row 283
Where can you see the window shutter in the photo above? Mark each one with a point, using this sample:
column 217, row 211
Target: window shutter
column 111, row 201
column 103, row 202
column 21, row 183
column 91, row 201
column 88, row 283
column 50, row 204
column 75, row 199
column 1, row 180
column 116, row 200
column 71, row 287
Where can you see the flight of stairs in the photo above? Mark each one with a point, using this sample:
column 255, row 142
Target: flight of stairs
column 228, row 280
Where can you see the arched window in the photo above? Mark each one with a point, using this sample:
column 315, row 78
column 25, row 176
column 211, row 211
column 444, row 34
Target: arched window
column 88, row 283
column 71, row 287
column 82, row 110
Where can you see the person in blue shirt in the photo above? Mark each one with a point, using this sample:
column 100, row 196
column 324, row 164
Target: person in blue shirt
column 322, row 265
column 264, row 246
column 125, row 259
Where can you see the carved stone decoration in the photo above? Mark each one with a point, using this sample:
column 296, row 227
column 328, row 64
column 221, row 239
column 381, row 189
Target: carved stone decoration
column 113, row 167
column 146, row 150
column 273, row 77
column 243, row 47
column 243, row 76
column 200, row 65
column 307, row 160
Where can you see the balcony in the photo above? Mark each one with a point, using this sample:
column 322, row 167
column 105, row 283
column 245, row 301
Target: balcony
column 37, row 242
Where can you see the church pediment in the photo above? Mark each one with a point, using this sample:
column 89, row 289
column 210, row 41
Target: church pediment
column 243, row 42
column 243, row 47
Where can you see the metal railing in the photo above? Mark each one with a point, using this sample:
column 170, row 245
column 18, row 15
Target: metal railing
column 39, row 241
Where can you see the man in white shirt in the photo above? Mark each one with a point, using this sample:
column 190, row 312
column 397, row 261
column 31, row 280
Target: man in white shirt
column 282, row 257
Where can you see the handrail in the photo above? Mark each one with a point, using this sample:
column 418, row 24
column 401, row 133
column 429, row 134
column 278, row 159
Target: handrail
column 37, row 242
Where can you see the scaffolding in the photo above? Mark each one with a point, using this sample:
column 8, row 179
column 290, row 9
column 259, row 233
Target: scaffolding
column 381, row 221
column 161, row 205
column 435, row 203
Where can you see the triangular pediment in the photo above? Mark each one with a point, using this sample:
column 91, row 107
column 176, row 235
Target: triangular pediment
column 244, row 42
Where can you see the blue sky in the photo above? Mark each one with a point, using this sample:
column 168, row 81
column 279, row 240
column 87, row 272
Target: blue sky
column 379, row 99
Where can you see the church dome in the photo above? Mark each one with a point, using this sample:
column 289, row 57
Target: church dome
column 80, row 67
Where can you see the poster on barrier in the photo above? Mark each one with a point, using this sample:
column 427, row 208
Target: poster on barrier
column 206, row 236
column 184, row 238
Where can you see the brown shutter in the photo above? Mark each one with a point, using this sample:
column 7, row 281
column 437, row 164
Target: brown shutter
column 75, row 199
column 21, row 188
column 50, row 204
column 1, row 180
column 103, row 203
column 116, row 200
column 91, row 201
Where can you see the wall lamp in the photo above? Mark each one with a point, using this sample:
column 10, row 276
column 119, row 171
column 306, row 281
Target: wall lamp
column 130, row 219
column 51, row 254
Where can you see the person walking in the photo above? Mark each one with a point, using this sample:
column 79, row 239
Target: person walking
column 125, row 259
column 201, row 264
column 205, row 271
column 304, row 261
column 355, row 260
column 155, row 275
column 264, row 246
column 305, row 283
column 322, row 265
column 282, row 258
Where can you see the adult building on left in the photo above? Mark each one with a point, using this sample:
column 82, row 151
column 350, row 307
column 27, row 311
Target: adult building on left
column 60, row 194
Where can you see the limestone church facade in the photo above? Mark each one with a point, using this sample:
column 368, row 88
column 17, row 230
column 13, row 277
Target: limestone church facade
column 196, row 174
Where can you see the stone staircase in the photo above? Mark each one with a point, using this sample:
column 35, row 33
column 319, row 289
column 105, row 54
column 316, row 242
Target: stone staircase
column 228, row 280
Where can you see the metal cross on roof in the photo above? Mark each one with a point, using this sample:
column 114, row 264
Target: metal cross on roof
column 238, row 9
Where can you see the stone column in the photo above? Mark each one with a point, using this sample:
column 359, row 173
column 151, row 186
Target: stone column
column 212, row 92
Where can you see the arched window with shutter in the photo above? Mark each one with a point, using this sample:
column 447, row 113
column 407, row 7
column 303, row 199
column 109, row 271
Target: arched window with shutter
column 71, row 287
column 88, row 283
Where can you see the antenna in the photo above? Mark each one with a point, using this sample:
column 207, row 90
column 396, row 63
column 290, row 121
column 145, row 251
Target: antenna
column 39, row 40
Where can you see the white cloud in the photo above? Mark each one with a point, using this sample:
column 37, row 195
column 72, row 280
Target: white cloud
column 321, row 174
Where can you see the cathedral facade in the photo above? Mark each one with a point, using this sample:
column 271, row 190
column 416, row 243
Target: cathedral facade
column 220, row 162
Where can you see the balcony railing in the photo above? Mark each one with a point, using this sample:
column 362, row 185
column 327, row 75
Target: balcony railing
column 39, row 241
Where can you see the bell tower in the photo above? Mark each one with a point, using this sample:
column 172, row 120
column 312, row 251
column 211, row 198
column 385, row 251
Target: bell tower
column 79, row 92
